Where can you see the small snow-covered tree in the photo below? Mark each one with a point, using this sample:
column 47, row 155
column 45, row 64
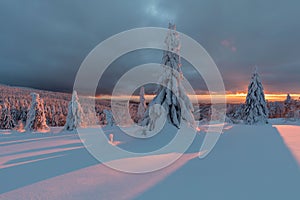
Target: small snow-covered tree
column 90, row 116
column 15, row 110
column 142, row 106
column 276, row 109
column 23, row 111
column 7, row 121
column 172, row 98
column 53, row 116
column 288, row 99
column 289, row 107
column 75, row 114
column 20, row 126
column 255, row 108
column 109, row 118
column 297, row 114
column 36, row 120
column 48, row 115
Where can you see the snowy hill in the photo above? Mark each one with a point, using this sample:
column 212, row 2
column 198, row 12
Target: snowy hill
column 248, row 162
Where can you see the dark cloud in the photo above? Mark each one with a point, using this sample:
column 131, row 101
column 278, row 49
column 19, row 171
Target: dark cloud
column 44, row 42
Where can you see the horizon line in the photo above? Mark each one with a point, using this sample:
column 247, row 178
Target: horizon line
column 206, row 98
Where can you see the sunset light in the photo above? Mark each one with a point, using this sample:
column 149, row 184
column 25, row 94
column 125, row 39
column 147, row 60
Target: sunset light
column 206, row 98
column 156, row 99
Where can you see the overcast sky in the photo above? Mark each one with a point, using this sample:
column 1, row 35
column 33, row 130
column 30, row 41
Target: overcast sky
column 43, row 42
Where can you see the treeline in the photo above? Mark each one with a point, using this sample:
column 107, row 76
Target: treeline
column 288, row 109
column 15, row 103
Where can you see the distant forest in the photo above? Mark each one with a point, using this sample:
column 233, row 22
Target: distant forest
column 15, row 103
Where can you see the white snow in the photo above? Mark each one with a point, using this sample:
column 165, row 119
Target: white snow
column 248, row 162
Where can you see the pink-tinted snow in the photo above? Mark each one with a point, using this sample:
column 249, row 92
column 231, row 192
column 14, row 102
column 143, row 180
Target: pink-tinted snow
column 291, row 137
column 248, row 162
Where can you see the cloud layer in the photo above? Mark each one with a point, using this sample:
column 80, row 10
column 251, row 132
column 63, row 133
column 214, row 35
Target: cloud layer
column 44, row 42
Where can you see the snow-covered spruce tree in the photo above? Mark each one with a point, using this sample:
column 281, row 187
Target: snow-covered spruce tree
column 255, row 108
column 7, row 121
column 172, row 98
column 289, row 107
column 20, row 126
column 75, row 114
column 109, row 118
column 237, row 115
column 90, row 118
column 276, row 109
column 23, row 110
column 142, row 106
column 15, row 110
column 36, row 120
column 288, row 99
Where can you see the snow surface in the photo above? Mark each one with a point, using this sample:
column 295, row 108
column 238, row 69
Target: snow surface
column 248, row 162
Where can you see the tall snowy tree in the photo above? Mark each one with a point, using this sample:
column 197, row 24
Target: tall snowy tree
column 142, row 105
column 255, row 109
column 172, row 98
column 75, row 114
column 36, row 120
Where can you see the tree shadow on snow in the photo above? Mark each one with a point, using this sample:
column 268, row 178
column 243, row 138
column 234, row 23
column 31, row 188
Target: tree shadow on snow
column 245, row 164
column 31, row 169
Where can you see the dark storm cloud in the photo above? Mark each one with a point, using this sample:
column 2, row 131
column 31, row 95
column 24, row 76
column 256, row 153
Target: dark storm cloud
column 42, row 43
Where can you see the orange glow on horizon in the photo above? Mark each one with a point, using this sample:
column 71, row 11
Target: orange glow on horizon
column 206, row 98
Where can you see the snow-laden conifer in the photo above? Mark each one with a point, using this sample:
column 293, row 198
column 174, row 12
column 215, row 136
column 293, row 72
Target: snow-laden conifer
column 255, row 109
column 75, row 114
column 36, row 120
column 142, row 105
column 173, row 98
column 6, row 118
column 109, row 118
